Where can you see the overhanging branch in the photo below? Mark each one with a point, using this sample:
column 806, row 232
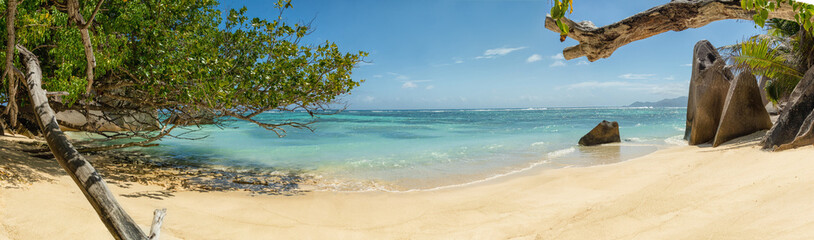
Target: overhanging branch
column 678, row 15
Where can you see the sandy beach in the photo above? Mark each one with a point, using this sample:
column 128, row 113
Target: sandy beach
column 735, row 191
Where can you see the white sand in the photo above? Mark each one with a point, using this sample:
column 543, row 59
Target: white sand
column 734, row 191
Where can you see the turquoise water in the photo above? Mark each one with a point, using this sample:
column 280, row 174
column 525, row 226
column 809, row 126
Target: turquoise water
column 425, row 149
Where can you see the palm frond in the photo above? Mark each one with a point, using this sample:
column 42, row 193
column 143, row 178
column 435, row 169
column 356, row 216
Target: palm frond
column 782, row 28
column 759, row 57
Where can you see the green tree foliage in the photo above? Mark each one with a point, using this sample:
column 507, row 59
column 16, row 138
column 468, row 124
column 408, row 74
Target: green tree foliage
column 803, row 12
column 781, row 56
column 558, row 10
column 184, row 62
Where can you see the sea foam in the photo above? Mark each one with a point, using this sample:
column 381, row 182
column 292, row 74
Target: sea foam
column 561, row 152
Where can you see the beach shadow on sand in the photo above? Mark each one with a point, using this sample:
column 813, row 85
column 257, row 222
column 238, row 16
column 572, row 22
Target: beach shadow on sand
column 748, row 141
column 175, row 178
column 18, row 168
column 123, row 169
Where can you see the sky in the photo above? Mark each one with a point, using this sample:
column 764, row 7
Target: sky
column 450, row 54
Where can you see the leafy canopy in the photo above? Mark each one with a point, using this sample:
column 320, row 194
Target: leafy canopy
column 185, row 60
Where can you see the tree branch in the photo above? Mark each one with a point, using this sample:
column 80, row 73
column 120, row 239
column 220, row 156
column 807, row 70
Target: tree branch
column 93, row 15
column 73, row 12
column 120, row 225
column 678, row 15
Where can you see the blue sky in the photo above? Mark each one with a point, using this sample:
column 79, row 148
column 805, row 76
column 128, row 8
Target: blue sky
column 495, row 54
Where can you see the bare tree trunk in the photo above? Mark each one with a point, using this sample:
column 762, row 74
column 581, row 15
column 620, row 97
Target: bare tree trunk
column 677, row 15
column 158, row 219
column 120, row 225
column 11, row 107
column 73, row 11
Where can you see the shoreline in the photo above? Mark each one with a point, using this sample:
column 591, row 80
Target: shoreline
column 150, row 169
column 733, row 191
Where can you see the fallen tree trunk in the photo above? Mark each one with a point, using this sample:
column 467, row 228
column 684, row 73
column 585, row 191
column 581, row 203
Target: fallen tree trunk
column 120, row 225
column 678, row 15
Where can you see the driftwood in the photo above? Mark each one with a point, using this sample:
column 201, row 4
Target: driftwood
column 117, row 221
column 158, row 219
column 678, row 15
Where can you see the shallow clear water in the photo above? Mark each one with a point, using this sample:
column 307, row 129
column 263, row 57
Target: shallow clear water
column 424, row 149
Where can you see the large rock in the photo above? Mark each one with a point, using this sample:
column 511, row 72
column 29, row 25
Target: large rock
column 804, row 137
column 772, row 109
column 72, row 120
column 743, row 112
column 793, row 115
column 604, row 132
column 709, row 85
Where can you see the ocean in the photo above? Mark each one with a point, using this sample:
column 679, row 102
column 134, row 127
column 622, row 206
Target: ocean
column 408, row 150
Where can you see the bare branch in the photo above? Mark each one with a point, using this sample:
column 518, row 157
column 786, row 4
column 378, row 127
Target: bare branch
column 678, row 15
column 93, row 15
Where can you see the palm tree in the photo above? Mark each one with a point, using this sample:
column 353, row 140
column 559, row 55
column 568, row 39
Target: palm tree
column 779, row 57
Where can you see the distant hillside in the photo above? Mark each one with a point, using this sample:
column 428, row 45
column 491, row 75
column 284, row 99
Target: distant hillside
column 673, row 102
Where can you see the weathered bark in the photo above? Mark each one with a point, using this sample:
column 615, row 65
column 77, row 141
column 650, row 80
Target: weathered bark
column 117, row 221
column 678, row 15
column 158, row 219
column 11, row 107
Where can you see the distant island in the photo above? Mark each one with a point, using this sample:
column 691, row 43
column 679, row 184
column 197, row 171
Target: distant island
column 670, row 102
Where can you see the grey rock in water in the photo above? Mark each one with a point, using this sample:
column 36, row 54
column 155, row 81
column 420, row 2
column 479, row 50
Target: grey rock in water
column 604, row 132
column 743, row 111
column 797, row 111
column 709, row 85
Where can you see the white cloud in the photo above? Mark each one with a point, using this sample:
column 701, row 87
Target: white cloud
column 687, row 65
column 399, row 77
column 558, row 63
column 409, row 84
column 583, row 62
column 377, row 76
column 595, row 84
column 558, row 56
column 362, row 64
column 369, row 99
column 459, row 61
column 670, row 78
column 501, row 51
column 534, row 58
column 495, row 52
column 636, row 76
